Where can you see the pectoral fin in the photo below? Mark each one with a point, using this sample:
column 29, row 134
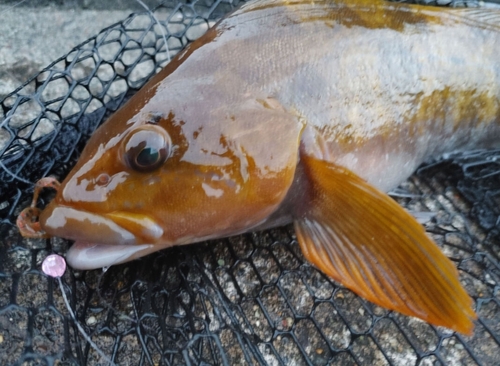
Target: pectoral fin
column 362, row 238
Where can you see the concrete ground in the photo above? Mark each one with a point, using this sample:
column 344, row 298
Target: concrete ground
column 34, row 33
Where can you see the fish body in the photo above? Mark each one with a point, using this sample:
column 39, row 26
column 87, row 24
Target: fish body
column 303, row 112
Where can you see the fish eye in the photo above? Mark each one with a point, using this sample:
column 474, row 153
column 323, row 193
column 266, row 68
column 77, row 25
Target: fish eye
column 147, row 148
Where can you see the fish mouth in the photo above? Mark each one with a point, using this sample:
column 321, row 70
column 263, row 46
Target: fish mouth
column 101, row 240
column 87, row 256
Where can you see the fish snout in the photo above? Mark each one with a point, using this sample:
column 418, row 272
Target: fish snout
column 100, row 240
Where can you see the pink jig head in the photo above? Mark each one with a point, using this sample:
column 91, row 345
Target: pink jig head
column 54, row 266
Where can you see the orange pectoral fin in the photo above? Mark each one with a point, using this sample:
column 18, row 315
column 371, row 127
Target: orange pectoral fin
column 362, row 238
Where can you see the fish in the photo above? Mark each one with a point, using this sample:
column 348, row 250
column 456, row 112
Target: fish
column 294, row 112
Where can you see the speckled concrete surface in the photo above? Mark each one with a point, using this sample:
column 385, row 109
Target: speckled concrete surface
column 35, row 33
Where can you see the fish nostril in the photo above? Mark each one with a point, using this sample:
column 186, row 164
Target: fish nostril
column 103, row 179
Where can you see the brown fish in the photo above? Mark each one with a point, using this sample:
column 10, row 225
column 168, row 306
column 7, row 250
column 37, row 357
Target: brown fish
column 303, row 112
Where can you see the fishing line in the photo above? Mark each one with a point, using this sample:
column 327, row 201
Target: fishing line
column 13, row 6
column 54, row 266
column 159, row 24
column 104, row 302
column 167, row 50
column 104, row 270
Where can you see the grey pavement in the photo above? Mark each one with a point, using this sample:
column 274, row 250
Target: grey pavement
column 35, row 33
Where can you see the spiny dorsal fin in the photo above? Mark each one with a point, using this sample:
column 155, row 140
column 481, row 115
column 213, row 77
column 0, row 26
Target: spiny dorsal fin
column 362, row 238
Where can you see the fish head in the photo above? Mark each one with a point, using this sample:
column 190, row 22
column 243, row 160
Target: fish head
column 166, row 174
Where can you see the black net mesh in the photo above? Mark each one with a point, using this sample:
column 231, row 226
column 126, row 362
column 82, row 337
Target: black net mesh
column 249, row 299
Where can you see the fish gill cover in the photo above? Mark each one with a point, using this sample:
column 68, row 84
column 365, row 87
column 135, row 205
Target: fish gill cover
column 250, row 299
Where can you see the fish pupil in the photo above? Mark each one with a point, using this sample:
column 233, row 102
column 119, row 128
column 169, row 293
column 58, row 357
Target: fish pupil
column 147, row 157
column 146, row 148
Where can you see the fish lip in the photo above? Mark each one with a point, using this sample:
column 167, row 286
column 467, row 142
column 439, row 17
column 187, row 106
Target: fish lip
column 71, row 223
column 88, row 256
column 100, row 240
column 118, row 228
